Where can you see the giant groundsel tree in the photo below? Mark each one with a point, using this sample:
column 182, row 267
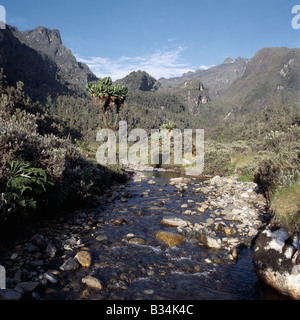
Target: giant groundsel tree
column 106, row 96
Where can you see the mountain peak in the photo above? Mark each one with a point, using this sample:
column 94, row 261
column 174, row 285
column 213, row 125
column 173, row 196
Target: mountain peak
column 41, row 54
column 44, row 35
column 139, row 80
column 228, row 60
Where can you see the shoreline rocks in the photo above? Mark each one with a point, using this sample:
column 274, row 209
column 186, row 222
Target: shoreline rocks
column 276, row 261
column 236, row 213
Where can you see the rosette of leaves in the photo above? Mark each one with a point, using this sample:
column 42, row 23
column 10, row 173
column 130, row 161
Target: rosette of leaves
column 26, row 186
column 169, row 126
column 106, row 96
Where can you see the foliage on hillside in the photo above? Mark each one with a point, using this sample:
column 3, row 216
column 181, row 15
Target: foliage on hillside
column 265, row 148
column 39, row 170
column 252, row 130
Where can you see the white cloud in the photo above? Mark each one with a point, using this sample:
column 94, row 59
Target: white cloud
column 161, row 63
column 203, row 67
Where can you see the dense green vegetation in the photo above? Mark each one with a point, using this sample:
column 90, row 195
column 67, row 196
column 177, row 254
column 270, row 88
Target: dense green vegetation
column 263, row 147
column 41, row 170
column 49, row 124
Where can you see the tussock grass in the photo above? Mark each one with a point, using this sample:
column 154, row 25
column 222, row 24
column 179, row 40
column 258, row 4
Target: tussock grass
column 286, row 205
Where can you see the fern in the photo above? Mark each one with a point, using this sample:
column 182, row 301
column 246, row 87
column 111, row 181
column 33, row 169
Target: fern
column 26, row 184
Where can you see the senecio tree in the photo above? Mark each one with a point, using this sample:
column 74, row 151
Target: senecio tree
column 105, row 96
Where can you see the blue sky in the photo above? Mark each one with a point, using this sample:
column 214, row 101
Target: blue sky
column 163, row 37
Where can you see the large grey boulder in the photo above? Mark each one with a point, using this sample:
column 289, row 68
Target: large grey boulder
column 208, row 240
column 276, row 261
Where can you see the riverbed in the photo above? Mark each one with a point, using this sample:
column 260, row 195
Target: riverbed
column 215, row 221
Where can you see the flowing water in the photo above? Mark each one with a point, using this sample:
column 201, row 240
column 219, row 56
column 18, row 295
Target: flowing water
column 148, row 269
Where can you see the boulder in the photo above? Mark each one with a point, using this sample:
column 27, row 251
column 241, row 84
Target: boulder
column 228, row 231
column 92, row 283
column 208, row 240
column 51, row 250
column 10, row 294
column 101, row 238
column 84, row 258
column 50, row 277
column 119, row 221
column 276, row 261
column 174, row 222
column 69, row 265
column 169, row 238
column 138, row 241
column 184, row 206
column 28, row 286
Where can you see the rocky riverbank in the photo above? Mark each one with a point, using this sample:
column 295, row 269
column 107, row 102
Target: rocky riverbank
column 227, row 217
column 237, row 213
column 28, row 262
column 276, row 260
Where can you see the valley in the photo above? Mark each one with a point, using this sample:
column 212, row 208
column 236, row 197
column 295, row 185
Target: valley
column 250, row 112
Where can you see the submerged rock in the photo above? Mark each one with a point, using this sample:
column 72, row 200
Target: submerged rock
column 174, row 222
column 169, row 238
column 84, row 258
column 92, row 282
column 119, row 221
column 69, row 265
column 139, row 241
column 10, row 294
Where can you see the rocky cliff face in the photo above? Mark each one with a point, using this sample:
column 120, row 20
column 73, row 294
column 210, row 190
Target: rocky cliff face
column 271, row 77
column 43, row 36
column 194, row 94
column 216, row 79
column 49, row 42
column 35, row 69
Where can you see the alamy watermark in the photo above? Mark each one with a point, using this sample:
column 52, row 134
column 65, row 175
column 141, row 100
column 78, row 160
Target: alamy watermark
column 296, row 19
column 138, row 148
column 2, row 21
column 2, row 278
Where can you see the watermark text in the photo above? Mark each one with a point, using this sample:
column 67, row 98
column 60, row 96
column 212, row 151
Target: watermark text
column 2, row 18
column 2, row 22
column 2, row 278
column 138, row 148
column 296, row 19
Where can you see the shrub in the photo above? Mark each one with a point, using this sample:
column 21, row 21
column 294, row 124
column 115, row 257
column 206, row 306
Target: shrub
column 286, row 206
column 216, row 158
column 168, row 126
column 38, row 170
column 267, row 176
column 25, row 185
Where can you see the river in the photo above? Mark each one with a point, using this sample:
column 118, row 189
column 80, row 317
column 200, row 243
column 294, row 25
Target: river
column 147, row 269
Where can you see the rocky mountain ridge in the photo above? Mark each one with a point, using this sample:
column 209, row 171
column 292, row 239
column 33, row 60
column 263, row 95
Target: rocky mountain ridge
column 139, row 80
column 271, row 77
column 216, row 79
column 40, row 60
column 50, row 43
column 239, row 86
column 192, row 92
